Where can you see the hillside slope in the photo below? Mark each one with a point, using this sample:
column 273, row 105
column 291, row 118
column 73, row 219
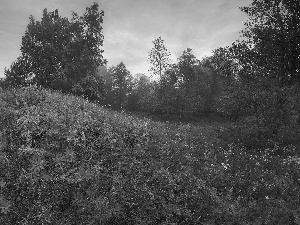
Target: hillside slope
column 64, row 160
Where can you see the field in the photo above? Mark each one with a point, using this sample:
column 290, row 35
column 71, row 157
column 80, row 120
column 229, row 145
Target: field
column 64, row 160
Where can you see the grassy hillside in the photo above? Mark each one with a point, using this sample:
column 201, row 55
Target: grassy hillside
column 64, row 160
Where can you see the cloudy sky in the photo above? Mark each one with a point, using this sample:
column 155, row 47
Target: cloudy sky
column 130, row 26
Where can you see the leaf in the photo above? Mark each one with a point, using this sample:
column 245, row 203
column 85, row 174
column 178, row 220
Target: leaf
column 2, row 183
column 5, row 209
column 4, row 205
column 297, row 220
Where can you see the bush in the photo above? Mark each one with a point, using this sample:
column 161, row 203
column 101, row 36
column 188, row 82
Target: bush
column 90, row 87
column 66, row 161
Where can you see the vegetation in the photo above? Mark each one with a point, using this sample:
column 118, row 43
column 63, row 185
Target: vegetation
column 64, row 159
column 159, row 58
column 60, row 54
column 77, row 145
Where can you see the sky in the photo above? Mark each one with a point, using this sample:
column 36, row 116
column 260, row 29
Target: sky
column 130, row 26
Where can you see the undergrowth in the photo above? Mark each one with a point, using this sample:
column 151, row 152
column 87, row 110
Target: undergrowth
column 64, row 160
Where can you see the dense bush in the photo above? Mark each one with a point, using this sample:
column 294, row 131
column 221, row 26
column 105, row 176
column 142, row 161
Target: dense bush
column 67, row 161
column 265, row 117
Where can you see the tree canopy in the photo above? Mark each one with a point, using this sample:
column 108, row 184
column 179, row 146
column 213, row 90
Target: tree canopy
column 60, row 53
column 270, row 40
column 159, row 58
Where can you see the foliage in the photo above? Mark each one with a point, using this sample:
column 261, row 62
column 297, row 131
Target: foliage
column 159, row 58
column 187, row 88
column 106, row 75
column 64, row 159
column 271, row 39
column 186, row 63
column 120, row 81
column 90, row 87
column 60, row 54
column 260, row 73
column 138, row 97
column 19, row 73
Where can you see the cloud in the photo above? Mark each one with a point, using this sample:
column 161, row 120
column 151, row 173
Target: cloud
column 198, row 24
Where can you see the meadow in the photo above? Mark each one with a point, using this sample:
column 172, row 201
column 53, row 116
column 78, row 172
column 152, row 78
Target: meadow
column 64, row 160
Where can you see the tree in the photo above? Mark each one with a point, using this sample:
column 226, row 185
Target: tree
column 271, row 39
column 186, row 65
column 107, row 77
column 19, row 73
column 265, row 70
column 273, row 45
column 138, row 96
column 189, row 97
column 91, row 87
column 121, row 85
column 186, row 88
column 159, row 58
column 62, row 53
column 85, row 54
column 226, row 95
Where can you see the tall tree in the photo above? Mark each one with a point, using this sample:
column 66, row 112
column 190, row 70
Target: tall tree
column 186, row 65
column 137, row 98
column 187, row 84
column 271, row 39
column 121, row 85
column 107, row 77
column 61, row 53
column 268, row 61
column 226, row 91
column 159, row 58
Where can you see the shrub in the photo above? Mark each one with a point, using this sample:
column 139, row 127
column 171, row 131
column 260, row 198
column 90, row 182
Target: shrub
column 67, row 161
